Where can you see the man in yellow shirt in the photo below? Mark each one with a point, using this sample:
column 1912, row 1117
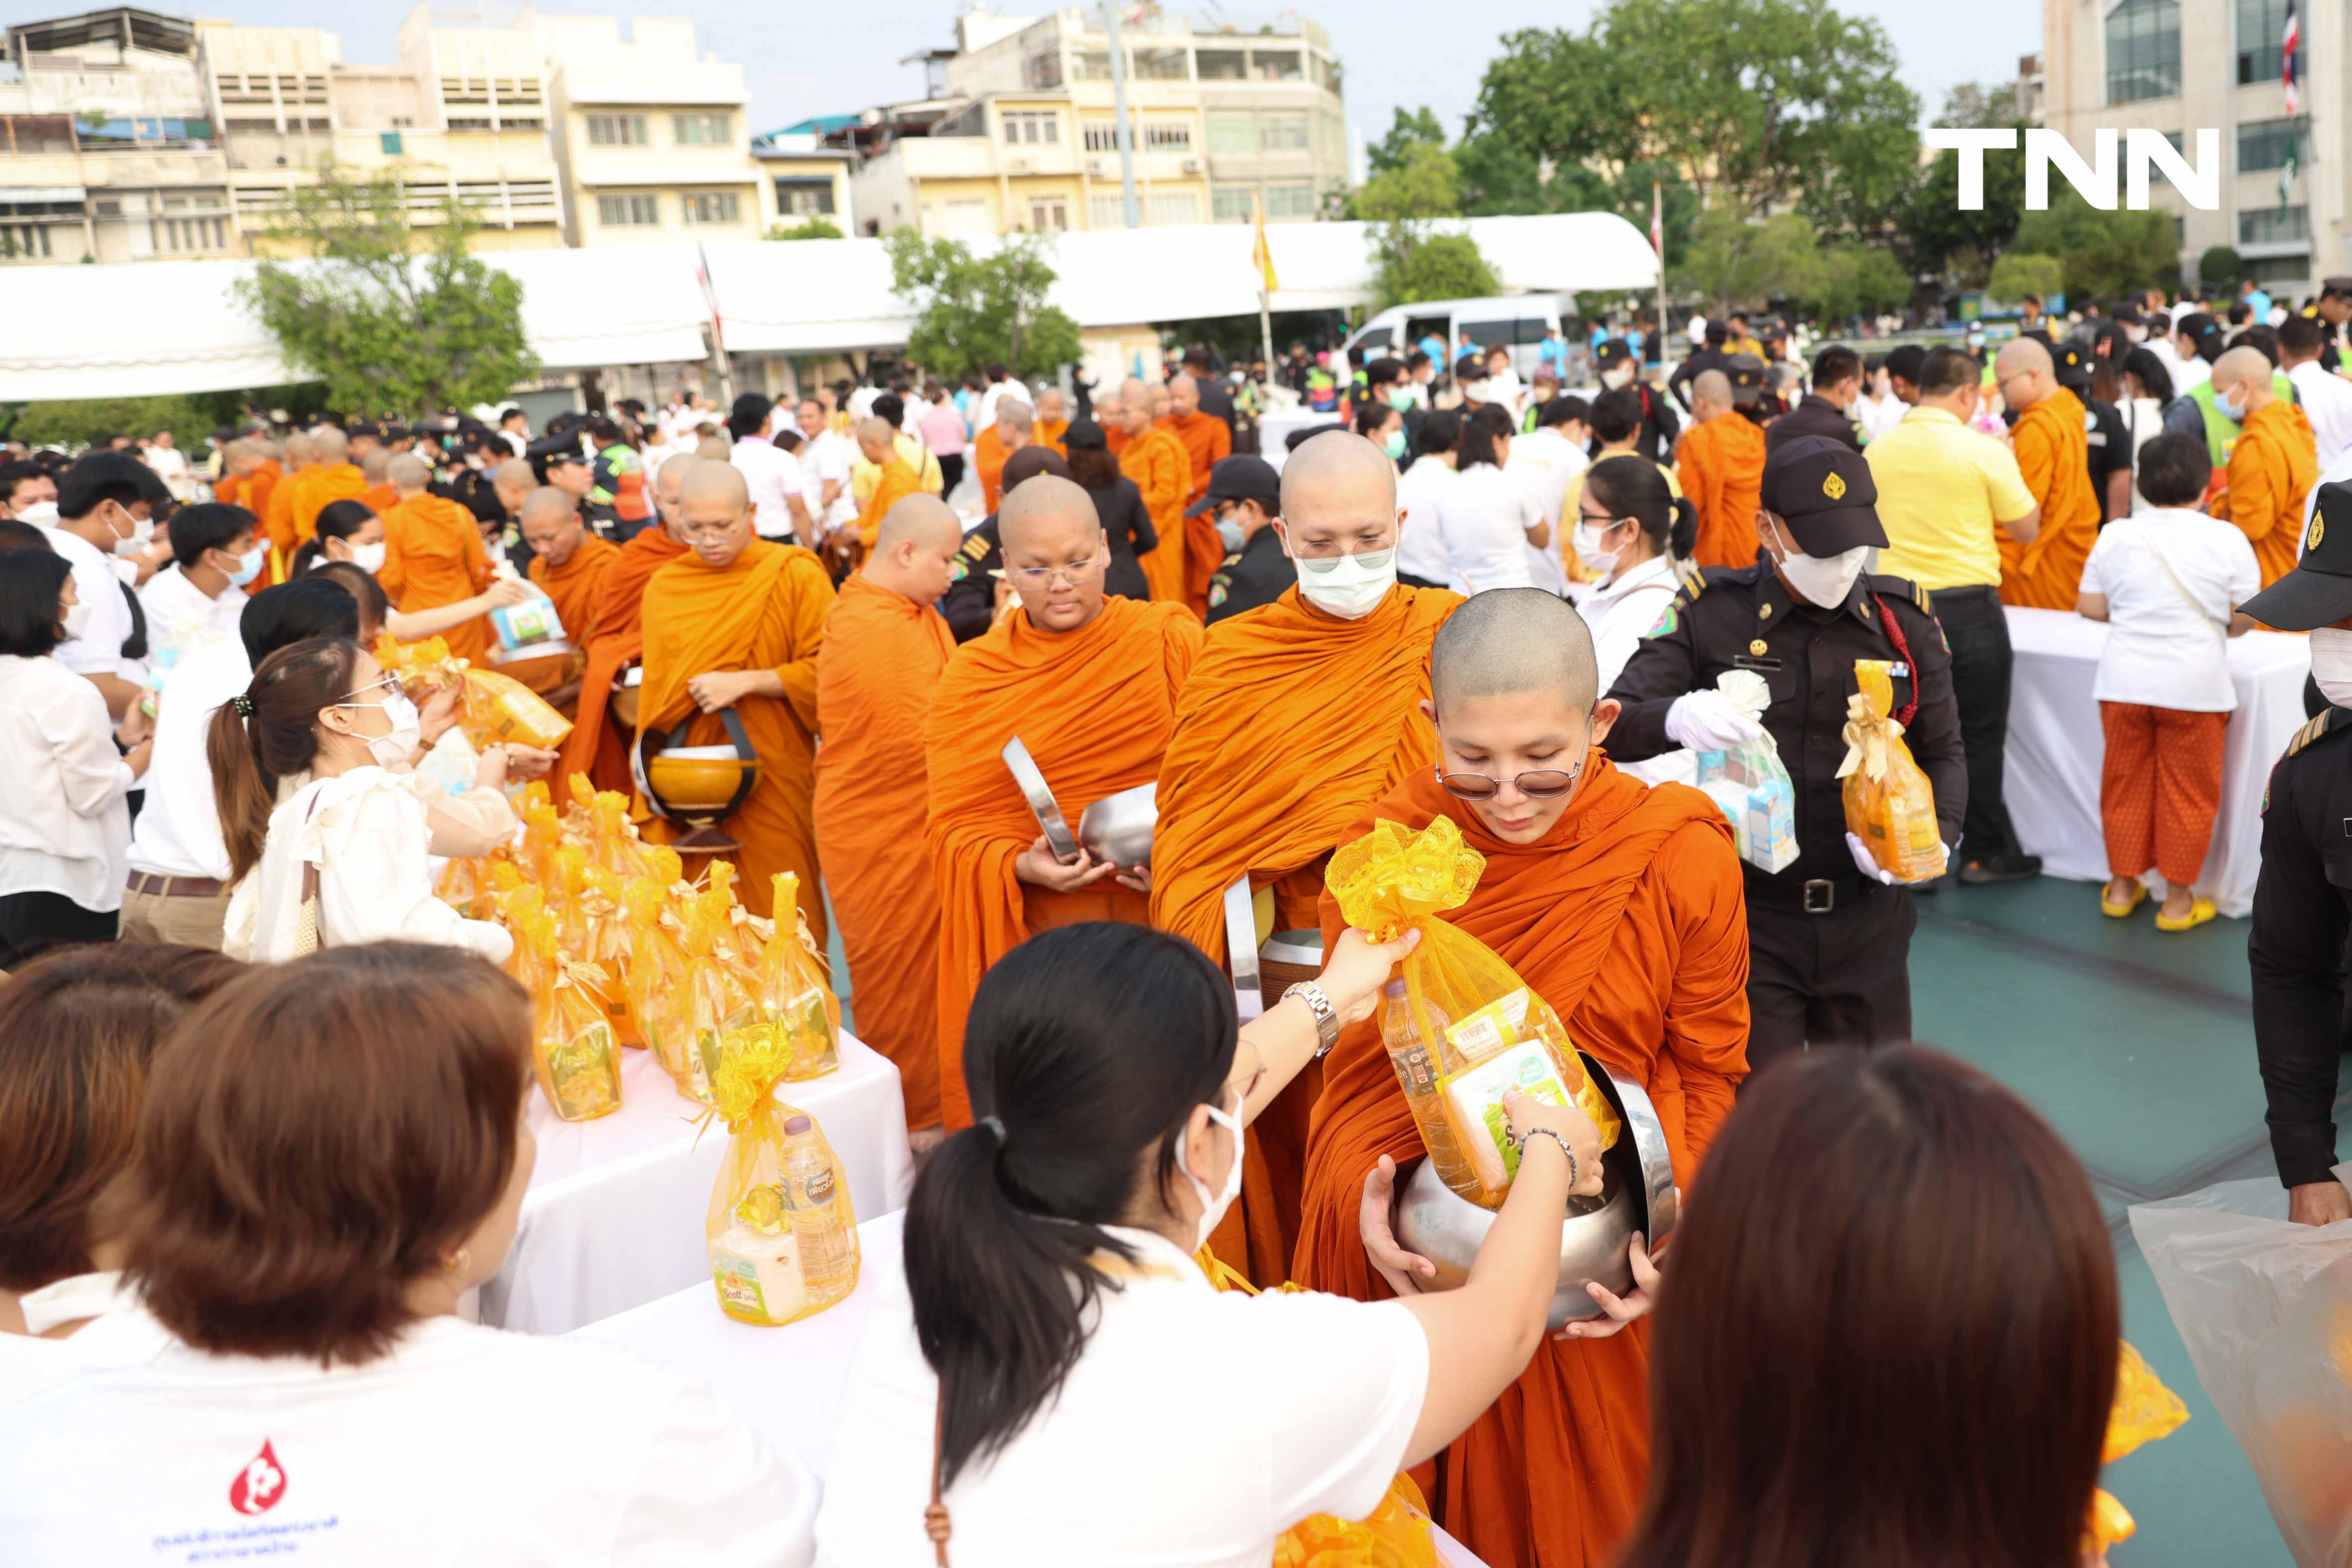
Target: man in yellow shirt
column 1943, row 489
column 865, row 473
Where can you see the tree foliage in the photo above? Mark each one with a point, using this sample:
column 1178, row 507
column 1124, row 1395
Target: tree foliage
column 2021, row 273
column 1735, row 262
column 1412, row 260
column 1855, row 280
column 807, row 228
column 1935, row 233
column 977, row 311
column 389, row 314
column 2220, row 267
column 1419, row 183
column 2105, row 253
column 1407, row 132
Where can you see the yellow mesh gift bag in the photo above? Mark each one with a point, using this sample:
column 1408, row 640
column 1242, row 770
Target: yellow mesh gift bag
column 496, row 708
column 654, row 977
column 721, row 1015
column 2144, row 1410
column 782, row 1234
column 1889, row 805
column 1469, row 1029
column 795, row 998
column 574, row 1057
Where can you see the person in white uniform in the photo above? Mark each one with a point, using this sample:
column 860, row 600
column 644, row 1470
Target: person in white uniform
column 1638, row 535
column 1495, row 537
column 1056, row 1372
column 196, row 601
column 105, row 523
column 1421, row 491
column 332, row 1154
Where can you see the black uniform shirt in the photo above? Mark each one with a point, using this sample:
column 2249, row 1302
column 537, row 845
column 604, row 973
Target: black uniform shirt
column 1813, row 415
column 1745, row 619
column 2109, row 446
column 970, row 607
column 2302, row 909
column 1700, row 362
column 1255, row 574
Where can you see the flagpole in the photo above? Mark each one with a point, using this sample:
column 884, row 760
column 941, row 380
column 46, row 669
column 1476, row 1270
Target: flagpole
column 1264, row 300
column 1658, row 244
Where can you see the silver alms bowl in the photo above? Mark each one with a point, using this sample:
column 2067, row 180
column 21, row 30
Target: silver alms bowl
column 1118, row 827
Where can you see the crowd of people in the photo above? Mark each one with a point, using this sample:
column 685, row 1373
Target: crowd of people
column 262, row 1079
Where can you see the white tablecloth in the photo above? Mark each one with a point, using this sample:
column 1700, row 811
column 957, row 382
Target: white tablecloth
column 614, row 1216
column 787, row 1382
column 2056, row 748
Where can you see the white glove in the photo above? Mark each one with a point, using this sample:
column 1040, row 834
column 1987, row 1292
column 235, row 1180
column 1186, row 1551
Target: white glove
column 1707, row 721
column 1865, row 862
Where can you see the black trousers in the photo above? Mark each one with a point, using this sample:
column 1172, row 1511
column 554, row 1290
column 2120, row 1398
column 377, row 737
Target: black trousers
column 1838, row 978
column 30, row 922
column 950, row 473
column 1974, row 626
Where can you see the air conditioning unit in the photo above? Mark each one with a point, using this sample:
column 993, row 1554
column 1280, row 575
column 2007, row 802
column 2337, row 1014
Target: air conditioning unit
column 1192, row 165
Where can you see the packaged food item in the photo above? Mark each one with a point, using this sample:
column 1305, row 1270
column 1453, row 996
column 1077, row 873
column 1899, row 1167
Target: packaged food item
column 1415, row 1063
column 655, row 979
column 1473, row 1098
column 1463, row 1005
column 606, row 944
column 2144, row 1412
column 575, row 1058
column 721, row 1011
column 780, row 1231
column 795, row 999
column 1889, row 803
column 499, row 708
column 1749, row 784
column 617, row 848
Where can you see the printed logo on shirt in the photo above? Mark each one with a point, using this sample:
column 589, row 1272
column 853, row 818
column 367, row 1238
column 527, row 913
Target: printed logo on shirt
column 261, row 1484
column 1668, row 620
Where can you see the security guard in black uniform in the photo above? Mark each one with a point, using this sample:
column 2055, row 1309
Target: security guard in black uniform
column 1830, row 936
column 1656, row 439
column 1702, row 360
column 2331, row 311
column 2303, row 901
column 1245, row 497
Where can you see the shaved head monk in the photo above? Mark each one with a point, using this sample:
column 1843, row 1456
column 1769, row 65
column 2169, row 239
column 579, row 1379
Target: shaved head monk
column 378, row 493
column 598, row 744
column 885, row 649
column 568, row 564
column 879, row 442
column 1156, row 461
column 433, row 555
column 2053, row 454
column 332, row 478
column 1721, row 466
column 1013, row 428
column 1053, row 419
column 2272, row 464
column 1205, row 439
column 1347, row 628
column 278, row 515
column 735, row 622
column 1089, row 684
column 249, row 477
column 1621, row 906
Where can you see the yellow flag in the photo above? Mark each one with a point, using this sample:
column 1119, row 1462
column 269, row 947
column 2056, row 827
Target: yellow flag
column 1261, row 254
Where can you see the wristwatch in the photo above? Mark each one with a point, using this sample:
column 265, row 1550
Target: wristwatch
column 1327, row 1022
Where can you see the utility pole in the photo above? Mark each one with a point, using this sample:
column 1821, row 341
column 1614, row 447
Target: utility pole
column 1118, row 104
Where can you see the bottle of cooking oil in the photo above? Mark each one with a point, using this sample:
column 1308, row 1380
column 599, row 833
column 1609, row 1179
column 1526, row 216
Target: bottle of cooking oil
column 828, row 1252
column 1414, row 1056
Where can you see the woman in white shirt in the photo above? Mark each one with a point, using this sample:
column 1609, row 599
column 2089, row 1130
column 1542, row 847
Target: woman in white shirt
column 78, row 1031
column 346, row 530
column 1493, row 532
column 66, row 771
column 2167, row 581
column 1422, row 489
column 332, row 1154
column 1055, row 1368
column 1878, row 410
column 2147, row 388
column 328, row 834
column 1637, row 534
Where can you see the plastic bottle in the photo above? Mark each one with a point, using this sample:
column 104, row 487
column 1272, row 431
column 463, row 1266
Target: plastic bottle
column 825, row 1257
column 1416, row 1062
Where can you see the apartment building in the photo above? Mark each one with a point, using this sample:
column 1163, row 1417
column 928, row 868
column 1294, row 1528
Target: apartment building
column 649, row 134
column 2182, row 65
column 801, row 179
column 108, row 149
column 1021, row 131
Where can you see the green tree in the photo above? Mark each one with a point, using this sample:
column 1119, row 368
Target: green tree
column 1855, row 279
column 1419, row 128
column 2107, row 253
column 2019, row 273
column 1421, row 185
column 1935, row 235
column 1413, row 259
column 80, row 421
column 1734, row 261
column 389, row 315
column 971, row 312
column 807, row 228
column 2220, row 267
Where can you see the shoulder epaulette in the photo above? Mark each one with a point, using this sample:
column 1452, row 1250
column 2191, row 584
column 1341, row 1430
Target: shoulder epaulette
column 2313, row 731
column 1903, row 588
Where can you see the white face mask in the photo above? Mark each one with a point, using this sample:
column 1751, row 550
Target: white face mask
column 1586, row 541
column 1617, row 376
column 1212, row 1209
column 1825, row 580
column 248, row 567
column 143, row 529
column 1349, row 586
column 368, row 558
column 2331, row 664
column 76, row 621
column 391, row 750
column 41, row 514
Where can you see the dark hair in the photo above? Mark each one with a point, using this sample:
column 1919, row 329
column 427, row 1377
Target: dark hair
column 509, row 412
column 337, row 520
column 100, row 476
column 1558, row 411
column 2203, row 331
column 357, row 582
column 1415, row 359
column 1196, row 357
column 1372, row 415
column 250, row 752
column 315, row 1135
column 1383, row 370
column 16, row 533
column 2155, row 379
column 1833, row 365
column 1441, row 432
column 995, row 372
column 1637, row 488
column 892, row 407
column 314, row 606
column 1031, row 461
column 14, row 473
column 2032, row 300
column 78, row 1028
column 1091, row 1045
column 209, row 525
column 750, row 412
column 1953, row 1408
column 2265, row 338
column 2174, row 469
column 1906, row 360
column 2240, row 313
column 2304, row 334
column 1617, row 414
column 1480, row 432
column 31, row 582
column 605, row 433
column 1946, row 370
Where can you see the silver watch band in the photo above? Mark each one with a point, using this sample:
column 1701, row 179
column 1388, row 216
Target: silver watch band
column 1327, row 1022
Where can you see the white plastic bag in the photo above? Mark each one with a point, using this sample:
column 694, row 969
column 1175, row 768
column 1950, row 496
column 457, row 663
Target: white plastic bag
column 1749, row 784
column 2265, row 1308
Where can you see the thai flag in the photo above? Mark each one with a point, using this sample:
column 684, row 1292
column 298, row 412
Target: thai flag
column 2289, row 40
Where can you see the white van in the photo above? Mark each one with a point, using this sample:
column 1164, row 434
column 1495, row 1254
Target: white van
column 1517, row 321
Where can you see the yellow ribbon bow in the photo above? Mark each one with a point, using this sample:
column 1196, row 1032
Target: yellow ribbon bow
column 1394, row 878
column 1867, row 734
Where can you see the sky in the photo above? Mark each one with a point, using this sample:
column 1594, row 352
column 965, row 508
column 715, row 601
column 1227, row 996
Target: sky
column 803, row 57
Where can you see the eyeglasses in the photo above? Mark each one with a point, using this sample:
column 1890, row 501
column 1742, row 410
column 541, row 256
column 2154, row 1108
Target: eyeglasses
column 1543, row 784
column 709, row 532
column 1326, row 557
column 1076, row 573
column 387, row 686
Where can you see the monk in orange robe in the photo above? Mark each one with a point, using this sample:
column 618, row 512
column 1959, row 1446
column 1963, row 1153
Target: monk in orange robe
column 878, row 441
column 242, row 461
column 2273, row 465
column 1275, row 670
column 569, row 564
column 277, row 513
column 432, row 556
column 331, row 478
column 1621, row 906
column 1205, row 436
column 1089, row 685
column 885, row 648
column 598, row 744
column 2053, row 454
column 1013, row 428
column 1052, row 420
column 373, row 468
column 1721, row 466
column 1156, row 461
column 736, row 622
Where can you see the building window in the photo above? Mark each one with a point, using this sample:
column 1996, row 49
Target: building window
column 1091, row 65
column 1275, row 65
column 2268, row 143
column 713, row 206
column 1159, row 65
column 389, row 141
column 1281, row 133
column 1326, row 73
column 1232, row 133
column 469, row 124
column 1030, row 126
column 1049, row 217
column 1168, row 136
column 1101, row 135
column 1232, row 204
column 798, row 198
column 2144, row 51
column 23, row 242
column 1222, row 65
column 702, row 130
column 1290, row 198
column 2261, row 38
column 2274, row 226
column 177, row 236
column 616, row 130
column 628, row 211
column 1106, row 212
column 1174, row 207
column 1042, row 71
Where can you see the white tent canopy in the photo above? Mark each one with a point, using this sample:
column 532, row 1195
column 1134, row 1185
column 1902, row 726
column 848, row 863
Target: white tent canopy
column 159, row 327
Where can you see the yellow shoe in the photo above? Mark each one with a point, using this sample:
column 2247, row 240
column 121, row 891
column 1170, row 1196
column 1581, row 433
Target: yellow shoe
column 2116, row 911
column 2200, row 909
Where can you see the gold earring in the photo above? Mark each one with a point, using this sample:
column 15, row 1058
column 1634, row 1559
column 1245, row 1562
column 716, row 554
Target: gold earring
column 459, row 1264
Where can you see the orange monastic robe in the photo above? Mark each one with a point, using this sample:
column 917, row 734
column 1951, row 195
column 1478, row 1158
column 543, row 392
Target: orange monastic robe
column 897, row 482
column 1049, row 433
column 595, row 747
column 1206, row 438
column 2053, row 454
column 376, row 497
column 576, row 587
column 882, row 658
column 988, row 459
column 1721, row 467
column 1095, row 707
column 1629, row 918
column 2272, row 469
column 277, row 513
column 1273, row 671
column 1162, row 470
column 763, row 610
column 432, row 556
column 316, row 487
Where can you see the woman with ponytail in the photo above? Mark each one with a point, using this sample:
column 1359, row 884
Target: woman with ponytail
column 1056, row 1381
column 1637, row 533
column 327, row 832
column 347, row 530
